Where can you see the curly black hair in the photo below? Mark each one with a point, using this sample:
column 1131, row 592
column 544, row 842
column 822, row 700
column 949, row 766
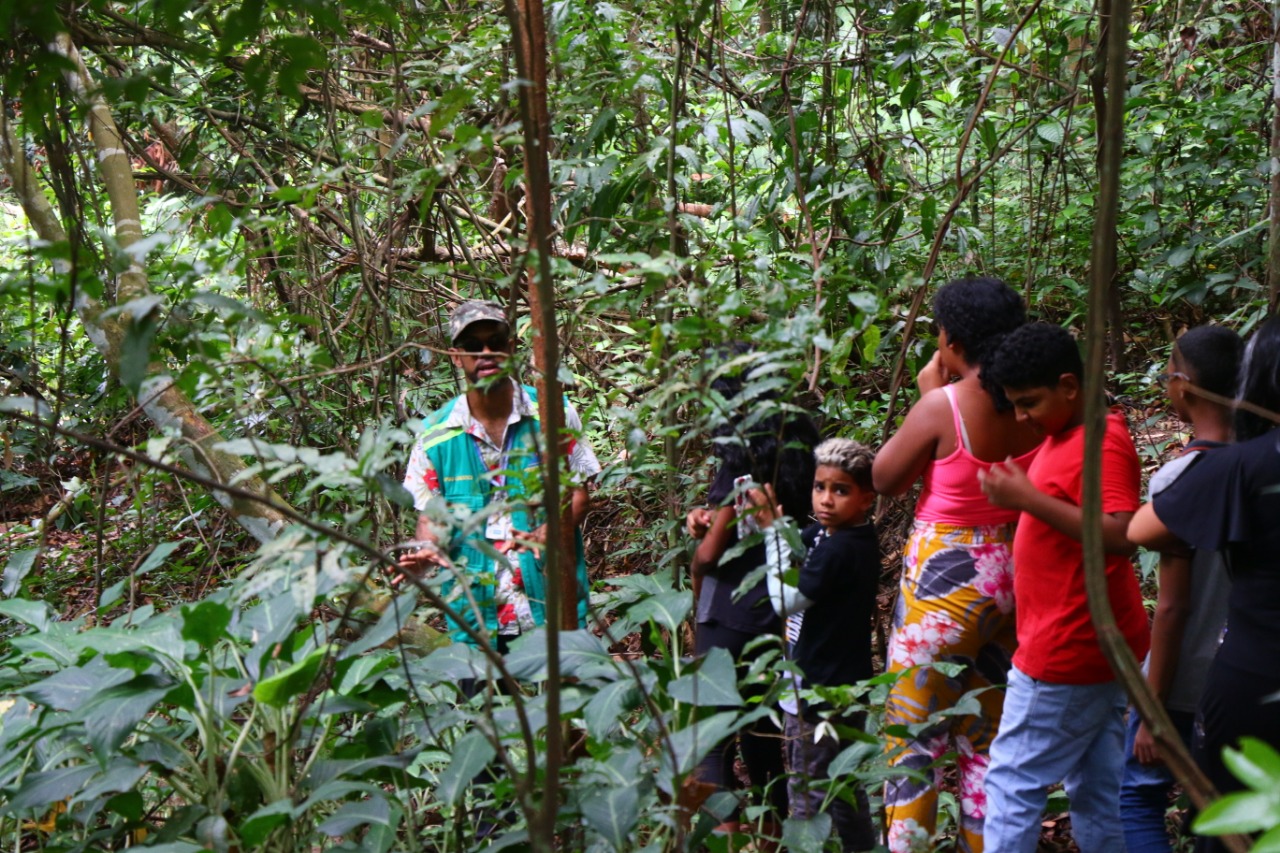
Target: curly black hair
column 762, row 437
column 1210, row 355
column 1260, row 380
column 1035, row 355
column 977, row 314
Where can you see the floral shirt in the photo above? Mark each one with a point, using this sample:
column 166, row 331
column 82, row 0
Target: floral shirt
column 423, row 482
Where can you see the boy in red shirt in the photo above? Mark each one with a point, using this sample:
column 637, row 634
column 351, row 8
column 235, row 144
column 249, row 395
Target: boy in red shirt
column 1064, row 711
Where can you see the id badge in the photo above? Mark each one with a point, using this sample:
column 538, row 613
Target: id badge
column 499, row 527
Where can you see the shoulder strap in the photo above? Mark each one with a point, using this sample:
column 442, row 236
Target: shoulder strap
column 957, row 419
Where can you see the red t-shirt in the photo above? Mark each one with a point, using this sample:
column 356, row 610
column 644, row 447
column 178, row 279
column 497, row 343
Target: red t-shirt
column 1056, row 639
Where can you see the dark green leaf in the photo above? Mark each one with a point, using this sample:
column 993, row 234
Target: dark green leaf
column 135, row 352
column 33, row 613
column 70, row 688
column 603, row 713
column 806, row 836
column 205, row 623
column 19, row 564
column 667, row 610
column 40, row 790
column 111, row 715
column 292, row 681
column 471, row 754
column 612, row 811
column 713, row 684
column 260, row 824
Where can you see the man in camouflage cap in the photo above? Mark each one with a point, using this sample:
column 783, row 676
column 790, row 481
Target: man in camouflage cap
column 479, row 452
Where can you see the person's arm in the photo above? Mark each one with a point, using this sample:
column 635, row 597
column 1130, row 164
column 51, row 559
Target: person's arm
column 420, row 480
column 579, row 503
column 429, row 555
column 575, row 512
column 903, row 459
column 706, row 557
column 785, row 598
column 1149, row 531
column 1173, row 606
column 1007, row 485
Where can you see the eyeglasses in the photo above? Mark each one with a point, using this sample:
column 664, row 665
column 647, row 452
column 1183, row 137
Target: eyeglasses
column 473, row 343
column 1166, row 378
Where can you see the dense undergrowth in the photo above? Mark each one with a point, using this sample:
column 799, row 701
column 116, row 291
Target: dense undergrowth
column 317, row 185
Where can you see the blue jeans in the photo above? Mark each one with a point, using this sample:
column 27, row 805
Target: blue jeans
column 1144, row 791
column 1069, row 733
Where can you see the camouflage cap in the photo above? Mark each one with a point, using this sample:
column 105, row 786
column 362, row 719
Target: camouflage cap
column 475, row 311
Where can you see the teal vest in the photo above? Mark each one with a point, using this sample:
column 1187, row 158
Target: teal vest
column 464, row 483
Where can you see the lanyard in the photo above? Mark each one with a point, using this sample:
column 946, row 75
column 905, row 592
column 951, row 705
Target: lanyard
column 499, row 479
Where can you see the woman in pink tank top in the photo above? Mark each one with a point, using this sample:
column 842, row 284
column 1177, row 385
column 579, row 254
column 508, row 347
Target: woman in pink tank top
column 956, row 598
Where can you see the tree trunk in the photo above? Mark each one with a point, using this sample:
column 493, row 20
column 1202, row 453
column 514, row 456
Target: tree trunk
column 1123, row 663
column 529, row 35
column 1273, row 257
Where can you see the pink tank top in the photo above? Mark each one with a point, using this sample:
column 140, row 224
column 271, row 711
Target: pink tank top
column 951, row 494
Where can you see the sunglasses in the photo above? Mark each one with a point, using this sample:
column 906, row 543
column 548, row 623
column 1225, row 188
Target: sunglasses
column 474, row 343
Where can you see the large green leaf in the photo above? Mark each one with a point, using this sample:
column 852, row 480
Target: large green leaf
column 1256, row 764
column 1247, row 811
column 19, row 564
column 255, row 828
column 159, row 555
column 667, row 609
column 70, row 688
column 205, row 622
column 113, row 714
column 42, row 789
column 33, row 613
column 806, row 835
column 277, row 690
column 603, row 713
column 713, row 684
column 471, row 754
column 613, row 811
column 690, row 744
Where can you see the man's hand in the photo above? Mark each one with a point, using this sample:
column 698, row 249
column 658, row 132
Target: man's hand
column 698, row 521
column 532, row 540
column 933, row 375
column 1144, row 746
column 1007, row 485
column 419, row 562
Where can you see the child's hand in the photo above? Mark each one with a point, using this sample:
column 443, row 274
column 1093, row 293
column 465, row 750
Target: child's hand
column 698, row 522
column 1007, row 485
column 933, row 375
column 1144, row 746
column 765, row 505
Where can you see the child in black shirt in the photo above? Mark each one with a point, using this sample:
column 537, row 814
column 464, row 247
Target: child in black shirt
column 827, row 614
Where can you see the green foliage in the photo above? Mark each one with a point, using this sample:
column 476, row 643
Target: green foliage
column 1256, row 809
column 320, row 181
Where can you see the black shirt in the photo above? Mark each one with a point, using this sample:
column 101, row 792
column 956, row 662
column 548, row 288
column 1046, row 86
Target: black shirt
column 750, row 612
column 840, row 575
column 1229, row 500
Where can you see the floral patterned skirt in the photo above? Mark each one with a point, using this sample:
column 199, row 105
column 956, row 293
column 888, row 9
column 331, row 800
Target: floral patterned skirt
column 955, row 606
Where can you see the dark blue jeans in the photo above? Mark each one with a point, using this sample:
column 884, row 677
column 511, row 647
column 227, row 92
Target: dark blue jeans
column 1144, row 790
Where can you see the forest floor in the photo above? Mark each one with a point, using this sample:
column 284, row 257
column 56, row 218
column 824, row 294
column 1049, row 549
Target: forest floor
column 75, row 542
